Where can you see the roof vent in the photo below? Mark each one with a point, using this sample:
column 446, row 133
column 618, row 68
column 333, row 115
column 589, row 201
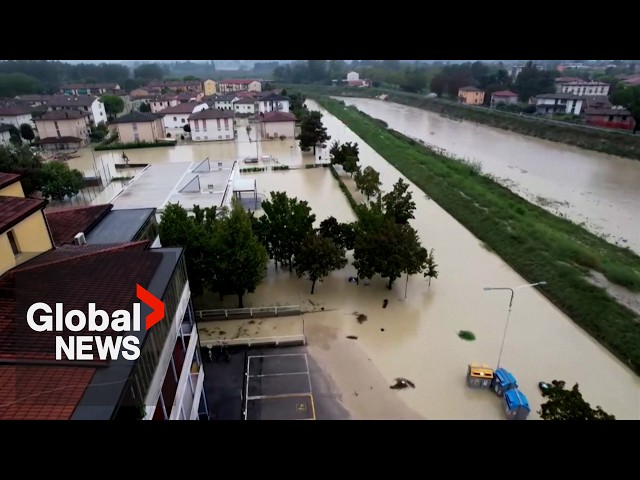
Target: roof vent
column 79, row 239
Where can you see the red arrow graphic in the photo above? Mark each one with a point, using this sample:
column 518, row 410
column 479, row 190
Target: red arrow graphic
column 154, row 302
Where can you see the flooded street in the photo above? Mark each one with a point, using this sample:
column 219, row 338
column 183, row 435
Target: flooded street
column 417, row 337
column 601, row 190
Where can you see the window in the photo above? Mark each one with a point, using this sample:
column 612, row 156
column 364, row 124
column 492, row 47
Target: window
column 219, row 137
column 182, row 120
column 86, row 109
column 206, row 137
column 134, row 126
column 197, row 138
column 175, row 119
column 14, row 243
column 611, row 118
column 228, row 136
column 136, row 137
column 624, row 118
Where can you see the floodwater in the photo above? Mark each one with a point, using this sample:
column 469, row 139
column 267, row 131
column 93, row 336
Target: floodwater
column 415, row 337
column 603, row 191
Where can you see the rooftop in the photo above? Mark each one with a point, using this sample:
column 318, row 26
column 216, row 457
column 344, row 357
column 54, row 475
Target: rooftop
column 278, row 117
column 66, row 100
column 75, row 86
column 273, row 97
column 62, row 115
column 504, row 93
column 15, row 209
column 66, row 223
column 470, row 89
column 180, row 108
column 238, row 81
column 561, row 96
column 8, row 178
column 608, row 111
column 14, row 111
column 136, row 117
column 211, row 113
column 120, row 225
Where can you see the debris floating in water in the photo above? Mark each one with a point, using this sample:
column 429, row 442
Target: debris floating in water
column 385, row 303
column 352, row 337
column 466, row 335
column 402, row 383
column 361, row 317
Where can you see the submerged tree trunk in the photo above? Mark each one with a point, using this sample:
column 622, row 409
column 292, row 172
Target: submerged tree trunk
column 313, row 286
column 240, row 304
column 390, row 284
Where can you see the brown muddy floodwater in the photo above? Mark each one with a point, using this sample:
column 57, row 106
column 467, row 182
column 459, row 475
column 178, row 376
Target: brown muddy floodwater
column 416, row 338
column 601, row 190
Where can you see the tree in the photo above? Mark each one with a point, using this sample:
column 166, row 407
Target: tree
column 13, row 84
column 568, row 405
column 312, row 131
column 190, row 78
column 113, row 105
column 14, row 136
column 318, row 257
column 415, row 80
column 145, row 107
column 368, row 181
column 187, row 128
column 195, row 235
column 398, row 203
column 628, row 97
column 59, row 181
column 386, row 247
column 285, row 224
column 149, row 71
column 531, row 82
column 131, row 84
column 345, row 155
column 342, row 234
column 431, row 268
column 23, row 161
column 26, row 132
column 242, row 259
column 296, row 104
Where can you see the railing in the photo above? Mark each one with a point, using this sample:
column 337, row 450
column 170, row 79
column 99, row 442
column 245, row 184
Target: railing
column 239, row 313
column 299, row 339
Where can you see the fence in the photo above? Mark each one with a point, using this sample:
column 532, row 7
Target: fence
column 240, row 313
column 299, row 339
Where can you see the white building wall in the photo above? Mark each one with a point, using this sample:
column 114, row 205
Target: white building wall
column 212, row 130
column 282, row 106
column 276, row 129
column 255, row 87
column 353, row 76
column 5, row 138
column 18, row 120
column 244, row 107
column 98, row 113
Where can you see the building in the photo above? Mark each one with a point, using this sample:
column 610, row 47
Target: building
column 503, row 96
column 5, row 134
column 164, row 382
column 16, row 116
column 139, row 127
column 277, row 124
column 161, row 102
column 63, row 129
column 470, row 96
column 560, row 81
column 479, row 376
column 175, row 86
column 515, row 70
column 235, row 85
column 140, row 92
column 503, row 381
column 274, row 103
column 617, row 118
column 224, row 102
column 23, row 228
column 176, row 118
column 89, row 88
column 212, row 124
column 359, row 83
column 186, row 97
column 567, row 66
column 583, row 87
column 516, row 406
column 245, row 106
column 552, row 103
column 33, row 100
column 81, row 103
column 353, row 76
column 209, row 87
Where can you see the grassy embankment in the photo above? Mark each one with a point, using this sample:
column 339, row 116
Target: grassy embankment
column 605, row 141
column 537, row 244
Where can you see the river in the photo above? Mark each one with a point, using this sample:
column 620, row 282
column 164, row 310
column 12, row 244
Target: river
column 602, row 191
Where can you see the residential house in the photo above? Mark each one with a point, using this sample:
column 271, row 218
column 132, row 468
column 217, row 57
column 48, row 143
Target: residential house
column 136, row 102
column 82, row 103
column 186, row 97
column 358, row 83
column 158, row 104
column 16, row 115
column 515, row 70
column 277, row 124
column 175, row 118
column 5, row 134
column 165, row 382
column 245, row 106
column 139, row 127
column 212, row 124
column 235, row 85
column 616, row 117
column 23, row 228
column 33, row 100
column 274, row 103
column 139, row 92
column 209, row 87
column 471, row 96
column 89, row 88
column 560, row 81
column 503, row 96
column 63, row 129
column 584, row 87
column 224, row 102
column 552, row 103
column 176, row 86
column 353, row 76
column 126, row 99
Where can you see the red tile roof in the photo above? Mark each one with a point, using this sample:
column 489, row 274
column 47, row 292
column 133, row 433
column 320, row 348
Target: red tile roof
column 15, row 209
column 66, row 223
column 14, row 111
column 29, row 392
column 504, row 93
column 8, row 178
column 62, row 115
column 211, row 113
column 278, row 117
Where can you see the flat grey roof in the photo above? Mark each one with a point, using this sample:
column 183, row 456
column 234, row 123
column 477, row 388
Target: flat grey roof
column 120, row 225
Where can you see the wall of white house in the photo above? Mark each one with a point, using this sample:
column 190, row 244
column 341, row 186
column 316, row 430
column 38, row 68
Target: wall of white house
column 98, row 112
column 213, row 130
column 18, row 120
column 281, row 106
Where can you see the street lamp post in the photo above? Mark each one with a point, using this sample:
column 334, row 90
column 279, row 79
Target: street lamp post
column 506, row 325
